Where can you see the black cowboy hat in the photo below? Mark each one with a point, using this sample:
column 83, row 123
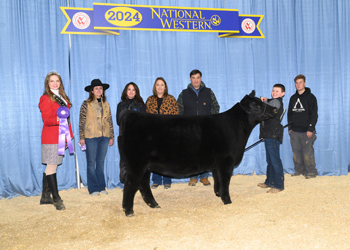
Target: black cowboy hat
column 94, row 83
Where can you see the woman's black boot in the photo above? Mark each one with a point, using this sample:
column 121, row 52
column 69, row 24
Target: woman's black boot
column 57, row 201
column 46, row 194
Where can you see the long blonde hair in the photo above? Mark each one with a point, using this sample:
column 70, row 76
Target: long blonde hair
column 47, row 90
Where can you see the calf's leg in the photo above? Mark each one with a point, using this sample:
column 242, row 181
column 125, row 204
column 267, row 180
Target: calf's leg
column 225, row 168
column 216, row 183
column 131, row 186
column 224, row 188
column 146, row 191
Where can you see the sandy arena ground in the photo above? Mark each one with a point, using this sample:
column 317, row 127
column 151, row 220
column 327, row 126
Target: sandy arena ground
column 308, row 214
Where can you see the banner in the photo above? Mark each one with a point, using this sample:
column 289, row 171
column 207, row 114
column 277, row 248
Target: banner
column 249, row 27
column 104, row 19
column 81, row 22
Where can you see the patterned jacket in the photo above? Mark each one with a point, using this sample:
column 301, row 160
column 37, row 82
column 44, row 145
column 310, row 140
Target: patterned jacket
column 95, row 120
column 169, row 105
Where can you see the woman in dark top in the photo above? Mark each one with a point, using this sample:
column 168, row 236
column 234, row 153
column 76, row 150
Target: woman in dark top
column 130, row 100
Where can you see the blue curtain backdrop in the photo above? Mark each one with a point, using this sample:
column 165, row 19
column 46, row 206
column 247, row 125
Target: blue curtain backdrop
column 301, row 37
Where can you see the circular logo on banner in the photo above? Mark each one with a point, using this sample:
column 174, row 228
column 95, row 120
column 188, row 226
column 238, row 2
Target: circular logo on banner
column 248, row 26
column 81, row 20
column 215, row 20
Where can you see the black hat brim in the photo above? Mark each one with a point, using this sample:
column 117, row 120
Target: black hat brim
column 104, row 86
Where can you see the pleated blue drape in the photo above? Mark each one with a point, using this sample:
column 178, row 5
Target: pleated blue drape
column 301, row 37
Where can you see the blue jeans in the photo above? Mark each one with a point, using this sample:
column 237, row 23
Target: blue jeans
column 96, row 150
column 200, row 176
column 274, row 172
column 159, row 179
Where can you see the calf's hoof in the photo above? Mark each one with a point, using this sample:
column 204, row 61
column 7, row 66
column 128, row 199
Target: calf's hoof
column 153, row 205
column 227, row 202
column 59, row 204
column 217, row 194
column 129, row 213
column 46, row 200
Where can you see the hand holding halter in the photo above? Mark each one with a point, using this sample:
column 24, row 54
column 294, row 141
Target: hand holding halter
column 261, row 140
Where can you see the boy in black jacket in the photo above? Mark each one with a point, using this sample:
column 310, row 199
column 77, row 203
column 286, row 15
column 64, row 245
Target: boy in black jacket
column 271, row 131
column 302, row 112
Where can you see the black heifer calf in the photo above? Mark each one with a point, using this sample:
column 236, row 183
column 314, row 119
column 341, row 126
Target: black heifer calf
column 181, row 146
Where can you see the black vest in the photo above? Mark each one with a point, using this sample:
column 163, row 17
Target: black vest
column 194, row 105
column 272, row 128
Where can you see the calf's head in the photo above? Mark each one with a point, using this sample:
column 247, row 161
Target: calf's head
column 256, row 109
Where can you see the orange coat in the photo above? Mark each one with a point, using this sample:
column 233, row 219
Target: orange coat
column 169, row 105
column 50, row 130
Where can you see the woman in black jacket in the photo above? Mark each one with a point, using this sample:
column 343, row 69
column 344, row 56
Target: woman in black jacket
column 130, row 100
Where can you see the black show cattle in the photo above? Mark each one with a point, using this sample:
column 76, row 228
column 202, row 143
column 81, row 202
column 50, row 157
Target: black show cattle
column 181, row 146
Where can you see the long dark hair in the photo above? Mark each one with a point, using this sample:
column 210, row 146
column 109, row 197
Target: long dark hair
column 137, row 97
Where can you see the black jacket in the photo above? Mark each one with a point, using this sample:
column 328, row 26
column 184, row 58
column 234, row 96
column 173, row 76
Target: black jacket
column 272, row 128
column 131, row 105
column 302, row 111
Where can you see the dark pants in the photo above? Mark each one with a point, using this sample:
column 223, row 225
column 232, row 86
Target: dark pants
column 303, row 153
column 159, row 179
column 274, row 172
column 96, row 150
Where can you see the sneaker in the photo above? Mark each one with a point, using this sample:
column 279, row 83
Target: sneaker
column 192, row 182
column 103, row 192
column 166, row 186
column 154, row 186
column 296, row 174
column 274, row 190
column 95, row 194
column 263, row 185
column 205, row 181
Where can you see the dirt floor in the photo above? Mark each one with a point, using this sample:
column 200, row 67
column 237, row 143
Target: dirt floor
column 308, row 214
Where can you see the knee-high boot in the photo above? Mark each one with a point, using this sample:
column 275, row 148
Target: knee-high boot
column 57, row 201
column 46, row 193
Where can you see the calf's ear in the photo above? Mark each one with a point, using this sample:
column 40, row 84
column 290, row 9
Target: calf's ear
column 252, row 94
